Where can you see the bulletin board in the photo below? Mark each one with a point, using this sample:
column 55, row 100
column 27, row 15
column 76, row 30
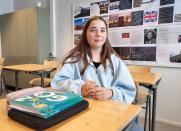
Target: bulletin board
column 142, row 32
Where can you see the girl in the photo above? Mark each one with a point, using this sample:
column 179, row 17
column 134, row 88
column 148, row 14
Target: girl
column 93, row 68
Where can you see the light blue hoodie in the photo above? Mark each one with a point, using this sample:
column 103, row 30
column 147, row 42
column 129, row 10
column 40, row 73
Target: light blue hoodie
column 68, row 78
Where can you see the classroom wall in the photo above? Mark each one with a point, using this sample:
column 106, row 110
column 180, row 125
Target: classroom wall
column 61, row 24
column 9, row 6
column 6, row 6
column 43, row 33
column 169, row 90
column 0, row 43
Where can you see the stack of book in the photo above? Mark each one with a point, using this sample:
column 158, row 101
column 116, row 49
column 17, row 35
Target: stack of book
column 45, row 103
column 39, row 108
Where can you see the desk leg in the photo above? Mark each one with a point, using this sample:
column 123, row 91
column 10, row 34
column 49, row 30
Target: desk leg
column 16, row 80
column 154, row 109
column 42, row 79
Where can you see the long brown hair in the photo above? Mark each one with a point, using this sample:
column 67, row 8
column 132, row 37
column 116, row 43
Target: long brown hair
column 83, row 49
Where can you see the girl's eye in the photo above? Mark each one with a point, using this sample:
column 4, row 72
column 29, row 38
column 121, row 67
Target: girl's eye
column 103, row 30
column 93, row 30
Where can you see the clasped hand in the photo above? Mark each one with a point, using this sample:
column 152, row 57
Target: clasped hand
column 91, row 89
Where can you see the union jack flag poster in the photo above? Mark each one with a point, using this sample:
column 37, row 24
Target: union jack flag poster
column 150, row 17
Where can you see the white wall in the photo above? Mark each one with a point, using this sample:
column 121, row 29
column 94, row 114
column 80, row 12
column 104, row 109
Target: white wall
column 62, row 26
column 6, row 6
column 169, row 90
column 0, row 44
column 19, row 4
column 43, row 33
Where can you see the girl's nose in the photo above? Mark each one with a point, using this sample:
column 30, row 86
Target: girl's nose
column 98, row 33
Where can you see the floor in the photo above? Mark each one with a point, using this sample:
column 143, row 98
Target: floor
column 160, row 126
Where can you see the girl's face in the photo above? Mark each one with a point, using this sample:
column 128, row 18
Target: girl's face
column 96, row 34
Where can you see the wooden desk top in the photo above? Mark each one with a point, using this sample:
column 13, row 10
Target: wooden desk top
column 29, row 67
column 146, row 78
column 100, row 116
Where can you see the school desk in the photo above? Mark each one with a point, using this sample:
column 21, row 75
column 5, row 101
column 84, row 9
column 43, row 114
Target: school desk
column 37, row 69
column 150, row 81
column 99, row 116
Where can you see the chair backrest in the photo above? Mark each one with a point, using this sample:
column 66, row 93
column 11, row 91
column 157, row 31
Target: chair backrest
column 54, row 63
column 2, row 81
column 139, row 69
column 2, row 59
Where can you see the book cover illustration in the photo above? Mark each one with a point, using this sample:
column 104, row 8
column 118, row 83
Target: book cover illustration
column 46, row 103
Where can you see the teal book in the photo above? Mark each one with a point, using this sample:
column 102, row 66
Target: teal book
column 56, row 110
column 46, row 103
column 50, row 112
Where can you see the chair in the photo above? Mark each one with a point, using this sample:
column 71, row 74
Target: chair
column 2, row 59
column 47, row 80
column 142, row 96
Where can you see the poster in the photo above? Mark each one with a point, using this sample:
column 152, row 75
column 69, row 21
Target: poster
column 140, row 31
